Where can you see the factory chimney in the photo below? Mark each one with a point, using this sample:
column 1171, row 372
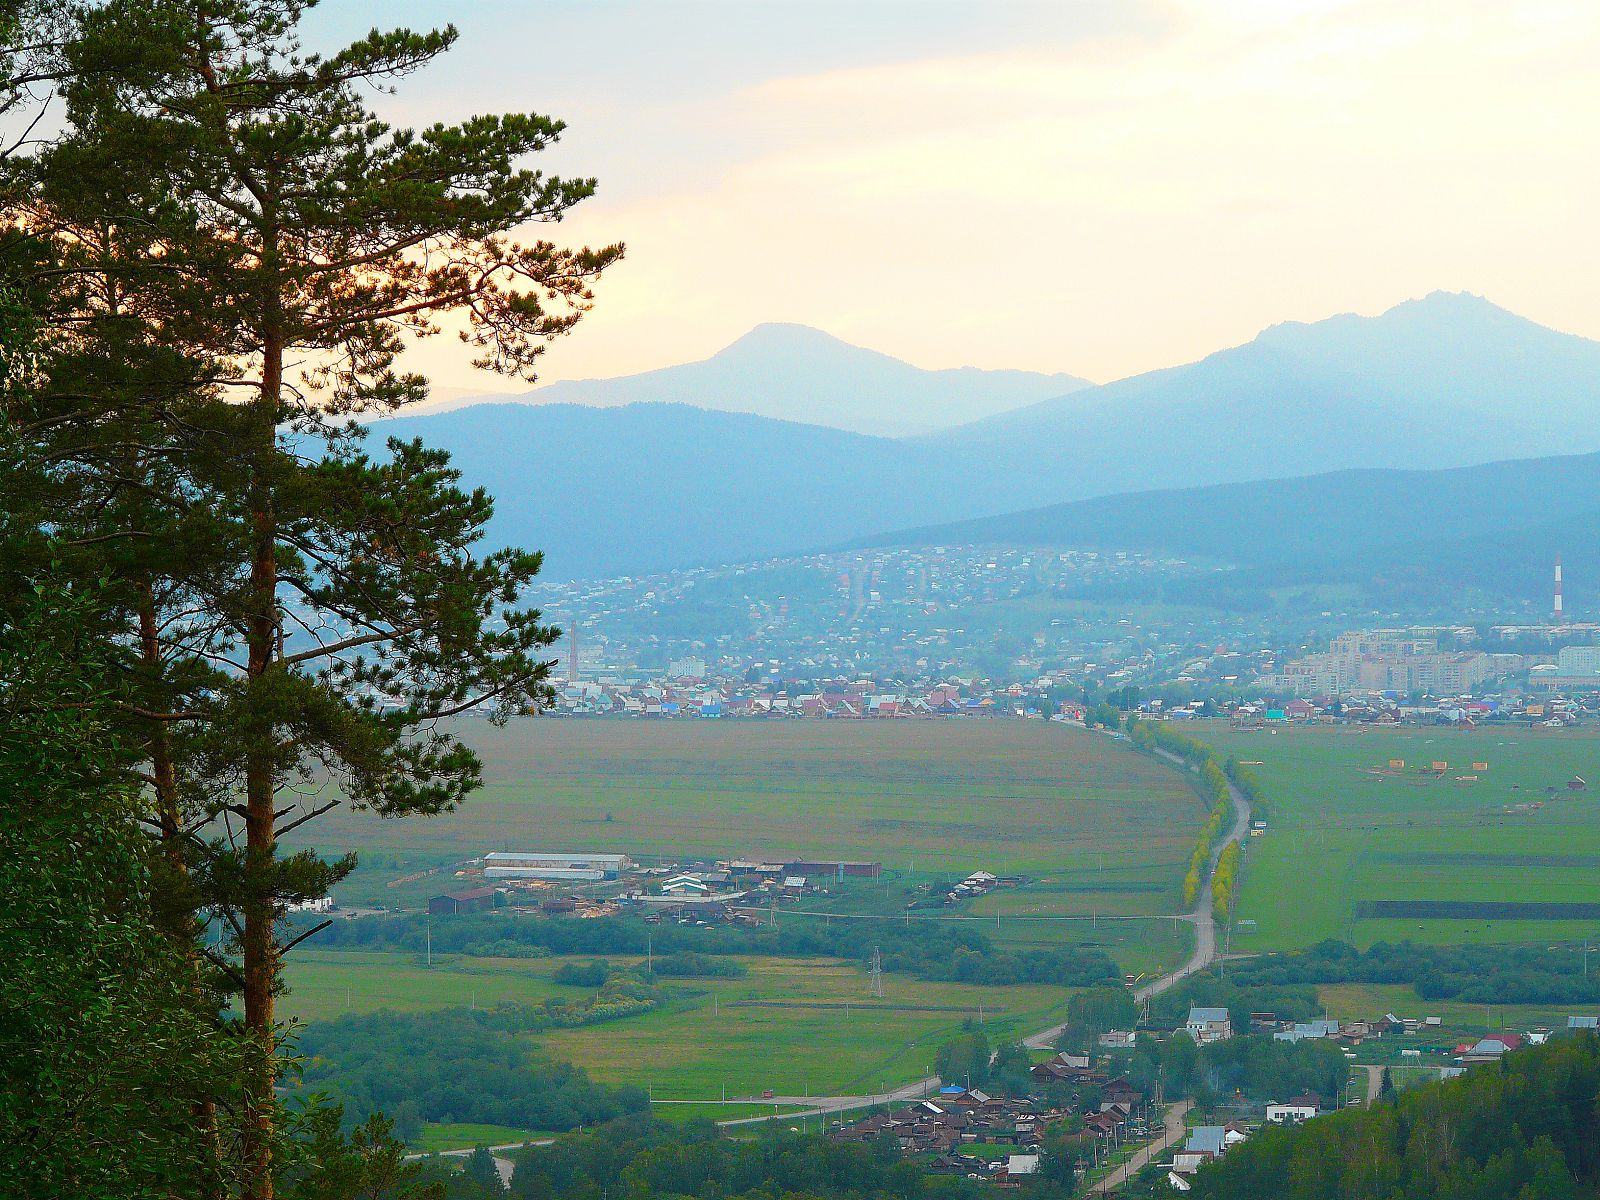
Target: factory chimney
column 1559, row 617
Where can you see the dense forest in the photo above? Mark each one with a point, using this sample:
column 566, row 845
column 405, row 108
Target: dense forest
column 1525, row 1128
column 925, row 949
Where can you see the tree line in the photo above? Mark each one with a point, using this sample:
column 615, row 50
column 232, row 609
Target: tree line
column 1212, row 779
column 932, row 950
column 213, row 255
column 1489, row 974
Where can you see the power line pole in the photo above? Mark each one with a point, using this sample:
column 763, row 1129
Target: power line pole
column 877, row 974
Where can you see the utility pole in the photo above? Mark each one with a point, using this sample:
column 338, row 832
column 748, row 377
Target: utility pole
column 877, row 974
column 427, row 926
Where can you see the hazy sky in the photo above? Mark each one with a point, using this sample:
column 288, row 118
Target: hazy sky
column 1094, row 188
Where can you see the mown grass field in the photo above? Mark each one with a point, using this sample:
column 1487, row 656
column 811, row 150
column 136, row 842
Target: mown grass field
column 814, row 1029
column 930, row 799
column 329, row 983
column 1341, row 834
column 703, row 1044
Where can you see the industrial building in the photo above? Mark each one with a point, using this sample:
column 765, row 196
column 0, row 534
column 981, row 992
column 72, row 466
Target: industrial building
column 563, row 865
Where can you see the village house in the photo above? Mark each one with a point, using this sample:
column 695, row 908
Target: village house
column 1487, row 1049
column 1208, row 1025
column 1306, row 1030
column 1292, row 1112
column 1205, row 1143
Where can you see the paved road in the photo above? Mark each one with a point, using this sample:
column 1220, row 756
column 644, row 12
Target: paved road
column 1173, row 1130
column 1374, row 1084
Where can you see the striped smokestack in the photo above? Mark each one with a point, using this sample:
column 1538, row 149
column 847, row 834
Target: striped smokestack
column 1558, row 615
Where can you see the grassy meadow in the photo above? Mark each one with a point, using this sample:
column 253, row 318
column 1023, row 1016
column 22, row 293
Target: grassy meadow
column 330, row 983
column 930, row 799
column 813, row 1030
column 797, row 1026
column 1345, row 832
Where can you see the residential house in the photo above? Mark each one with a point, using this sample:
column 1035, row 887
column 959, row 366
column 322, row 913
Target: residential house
column 1292, row 1112
column 1303, row 1030
column 1208, row 1025
column 1487, row 1049
column 685, row 885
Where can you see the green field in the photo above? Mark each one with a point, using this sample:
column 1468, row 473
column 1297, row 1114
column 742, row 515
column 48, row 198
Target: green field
column 1344, row 831
column 817, row 1032
column 330, row 983
column 927, row 798
column 1026, row 919
column 797, row 1026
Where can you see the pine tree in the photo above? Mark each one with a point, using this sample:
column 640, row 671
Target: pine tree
column 238, row 251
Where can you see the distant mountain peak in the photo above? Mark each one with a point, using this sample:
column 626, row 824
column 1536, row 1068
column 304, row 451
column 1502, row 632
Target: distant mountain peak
column 1468, row 308
column 788, row 338
column 793, row 372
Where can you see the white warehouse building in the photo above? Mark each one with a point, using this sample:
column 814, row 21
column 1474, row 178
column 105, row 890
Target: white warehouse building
column 561, row 864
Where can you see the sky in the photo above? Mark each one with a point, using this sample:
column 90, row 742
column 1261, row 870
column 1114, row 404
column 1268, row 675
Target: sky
column 1098, row 188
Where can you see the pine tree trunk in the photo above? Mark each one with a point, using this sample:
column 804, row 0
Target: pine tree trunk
column 260, row 951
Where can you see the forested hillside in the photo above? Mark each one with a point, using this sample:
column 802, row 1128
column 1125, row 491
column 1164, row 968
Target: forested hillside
column 1526, row 1128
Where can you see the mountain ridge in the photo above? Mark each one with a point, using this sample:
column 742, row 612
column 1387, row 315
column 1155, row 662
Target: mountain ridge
column 1443, row 382
column 787, row 371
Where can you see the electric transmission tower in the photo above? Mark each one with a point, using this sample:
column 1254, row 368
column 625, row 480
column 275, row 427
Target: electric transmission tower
column 877, row 974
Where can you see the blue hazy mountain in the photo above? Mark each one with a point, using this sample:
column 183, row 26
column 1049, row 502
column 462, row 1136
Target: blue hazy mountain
column 1339, row 515
column 652, row 486
column 1444, row 381
column 795, row 373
